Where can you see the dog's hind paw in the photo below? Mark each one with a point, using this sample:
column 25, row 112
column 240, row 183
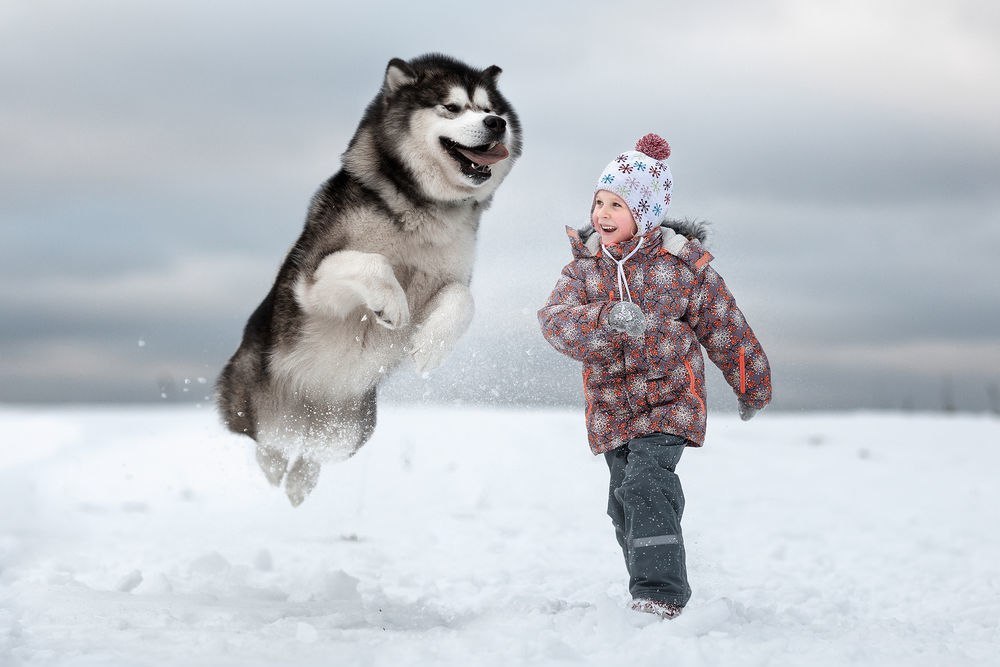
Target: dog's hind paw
column 301, row 480
column 273, row 463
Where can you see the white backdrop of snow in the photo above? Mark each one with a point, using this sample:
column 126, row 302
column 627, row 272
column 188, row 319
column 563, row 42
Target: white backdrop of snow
column 477, row 536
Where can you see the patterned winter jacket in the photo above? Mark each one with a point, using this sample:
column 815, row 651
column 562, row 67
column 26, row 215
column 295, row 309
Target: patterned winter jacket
column 635, row 387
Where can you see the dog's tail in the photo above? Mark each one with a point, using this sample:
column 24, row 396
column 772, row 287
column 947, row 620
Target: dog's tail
column 234, row 392
column 245, row 376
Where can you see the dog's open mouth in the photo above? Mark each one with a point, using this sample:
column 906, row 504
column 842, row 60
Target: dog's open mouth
column 475, row 161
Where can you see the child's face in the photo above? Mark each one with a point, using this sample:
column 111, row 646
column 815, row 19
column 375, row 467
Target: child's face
column 611, row 218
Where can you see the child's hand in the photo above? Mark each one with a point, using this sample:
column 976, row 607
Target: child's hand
column 746, row 412
column 627, row 317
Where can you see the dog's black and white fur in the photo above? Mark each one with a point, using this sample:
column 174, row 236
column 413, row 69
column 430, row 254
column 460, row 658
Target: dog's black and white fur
column 380, row 273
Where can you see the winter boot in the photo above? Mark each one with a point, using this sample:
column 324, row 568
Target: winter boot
column 664, row 610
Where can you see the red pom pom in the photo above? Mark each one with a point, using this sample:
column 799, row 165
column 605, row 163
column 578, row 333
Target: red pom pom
column 654, row 146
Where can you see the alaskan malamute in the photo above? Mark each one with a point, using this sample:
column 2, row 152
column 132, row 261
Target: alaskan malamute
column 380, row 273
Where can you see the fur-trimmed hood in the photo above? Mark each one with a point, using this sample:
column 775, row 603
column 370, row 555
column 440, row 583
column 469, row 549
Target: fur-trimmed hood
column 673, row 234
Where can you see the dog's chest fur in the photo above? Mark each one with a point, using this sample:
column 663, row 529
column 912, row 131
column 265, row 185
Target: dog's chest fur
column 426, row 253
column 426, row 250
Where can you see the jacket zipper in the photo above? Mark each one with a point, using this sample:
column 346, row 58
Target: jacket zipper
column 693, row 386
column 586, row 394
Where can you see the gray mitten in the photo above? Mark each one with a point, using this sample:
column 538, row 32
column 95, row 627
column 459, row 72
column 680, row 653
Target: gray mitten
column 626, row 316
column 746, row 412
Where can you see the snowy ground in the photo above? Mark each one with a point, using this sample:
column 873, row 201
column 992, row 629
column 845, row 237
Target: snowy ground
column 472, row 536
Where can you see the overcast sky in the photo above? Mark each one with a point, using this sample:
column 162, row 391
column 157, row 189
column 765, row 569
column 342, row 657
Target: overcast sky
column 157, row 158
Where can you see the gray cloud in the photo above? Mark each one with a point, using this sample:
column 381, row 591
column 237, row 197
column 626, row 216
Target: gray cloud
column 160, row 158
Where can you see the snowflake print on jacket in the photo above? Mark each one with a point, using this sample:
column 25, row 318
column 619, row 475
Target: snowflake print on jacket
column 635, row 387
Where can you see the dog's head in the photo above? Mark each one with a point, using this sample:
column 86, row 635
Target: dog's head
column 441, row 130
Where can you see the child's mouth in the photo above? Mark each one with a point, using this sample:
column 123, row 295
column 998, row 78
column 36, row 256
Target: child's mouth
column 607, row 229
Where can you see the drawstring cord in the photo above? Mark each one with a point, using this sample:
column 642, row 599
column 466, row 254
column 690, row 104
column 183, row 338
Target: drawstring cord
column 623, row 289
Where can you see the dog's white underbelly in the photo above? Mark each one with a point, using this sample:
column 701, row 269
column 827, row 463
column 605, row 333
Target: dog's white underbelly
column 337, row 359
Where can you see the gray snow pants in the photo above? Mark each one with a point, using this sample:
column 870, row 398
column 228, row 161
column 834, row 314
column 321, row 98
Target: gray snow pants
column 645, row 503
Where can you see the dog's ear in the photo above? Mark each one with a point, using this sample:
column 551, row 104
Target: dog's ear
column 491, row 73
column 398, row 73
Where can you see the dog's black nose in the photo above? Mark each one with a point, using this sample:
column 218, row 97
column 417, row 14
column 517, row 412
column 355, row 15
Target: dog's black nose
column 495, row 123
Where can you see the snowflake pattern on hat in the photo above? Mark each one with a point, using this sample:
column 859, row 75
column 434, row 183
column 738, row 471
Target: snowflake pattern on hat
column 643, row 180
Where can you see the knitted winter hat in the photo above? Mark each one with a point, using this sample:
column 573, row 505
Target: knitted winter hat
column 642, row 179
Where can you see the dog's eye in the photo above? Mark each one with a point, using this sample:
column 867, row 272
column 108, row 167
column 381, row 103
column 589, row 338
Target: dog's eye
column 453, row 108
column 487, row 110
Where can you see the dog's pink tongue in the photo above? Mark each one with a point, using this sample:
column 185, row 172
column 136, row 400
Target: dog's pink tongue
column 492, row 156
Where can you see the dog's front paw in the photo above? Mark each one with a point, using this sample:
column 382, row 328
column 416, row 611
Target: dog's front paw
column 388, row 304
column 428, row 349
